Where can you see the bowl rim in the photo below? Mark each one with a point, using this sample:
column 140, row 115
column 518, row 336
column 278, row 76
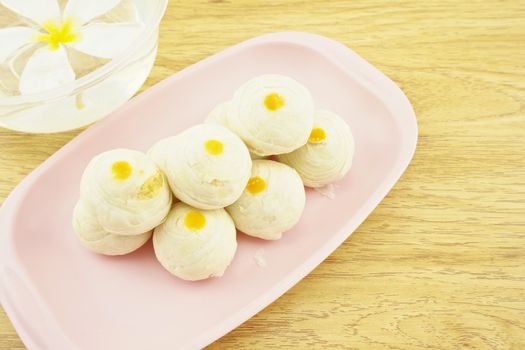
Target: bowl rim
column 76, row 86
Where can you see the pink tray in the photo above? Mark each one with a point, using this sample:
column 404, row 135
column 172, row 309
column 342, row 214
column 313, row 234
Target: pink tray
column 60, row 296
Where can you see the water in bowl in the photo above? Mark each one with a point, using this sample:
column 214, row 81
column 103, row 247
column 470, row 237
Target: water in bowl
column 11, row 69
column 96, row 100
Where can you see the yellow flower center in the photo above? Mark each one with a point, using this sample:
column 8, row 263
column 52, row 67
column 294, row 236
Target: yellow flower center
column 195, row 220
column 58, row 33
column 256, row 185
column 121, row 170
column 214, row 147
column 317, row 135
column 273, row 101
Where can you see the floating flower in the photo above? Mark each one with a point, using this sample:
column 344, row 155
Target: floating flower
column 75, row 27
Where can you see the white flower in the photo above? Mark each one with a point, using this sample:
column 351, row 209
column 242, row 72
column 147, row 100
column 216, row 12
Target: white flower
column 49, row 66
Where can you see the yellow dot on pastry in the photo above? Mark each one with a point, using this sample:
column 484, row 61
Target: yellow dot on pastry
column 151, row 186
column 195, row 220
column 256, row 185
column 214, row 147
column 317, row 135
column 273, row 101
column 121, row 170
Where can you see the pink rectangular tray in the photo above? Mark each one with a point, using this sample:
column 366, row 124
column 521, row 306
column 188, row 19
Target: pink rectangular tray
column 60, row 296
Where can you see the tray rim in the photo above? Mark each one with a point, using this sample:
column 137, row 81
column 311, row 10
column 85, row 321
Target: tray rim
column 371, row 78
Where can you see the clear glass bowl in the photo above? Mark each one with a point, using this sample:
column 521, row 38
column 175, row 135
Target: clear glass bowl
column 96, row 92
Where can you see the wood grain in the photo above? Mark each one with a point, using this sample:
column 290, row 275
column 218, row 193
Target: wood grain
column 440, row 264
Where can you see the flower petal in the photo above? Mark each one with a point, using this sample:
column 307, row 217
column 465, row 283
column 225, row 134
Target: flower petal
column 45, row 70
column 13, row 38
column 125, row 12
column 37, row 10
column 86, row 10
column 106, row 40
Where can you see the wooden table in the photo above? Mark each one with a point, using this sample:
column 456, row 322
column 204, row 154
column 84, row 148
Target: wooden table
column 440, row 264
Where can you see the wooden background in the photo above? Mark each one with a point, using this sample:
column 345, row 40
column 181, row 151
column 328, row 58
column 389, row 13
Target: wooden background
column 440, row 264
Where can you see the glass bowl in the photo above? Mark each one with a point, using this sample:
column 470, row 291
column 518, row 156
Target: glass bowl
column 101, row 86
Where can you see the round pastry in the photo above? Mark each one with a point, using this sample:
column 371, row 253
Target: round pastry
column 160, row 151
column 128, row 192
column 195, row 244
column 219, row 115
column 98, row 240
column 272, row 202
column 327, row 156
column 207, row 165
column 272, row 114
